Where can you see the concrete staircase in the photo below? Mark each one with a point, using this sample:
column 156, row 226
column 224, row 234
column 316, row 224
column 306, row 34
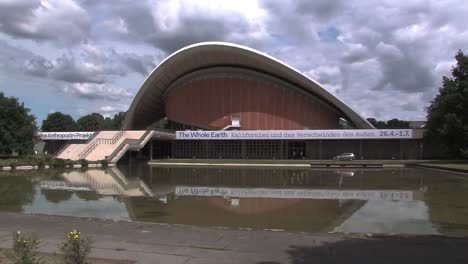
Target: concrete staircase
column 105, row 145
column 72, row 151
column 130, row 144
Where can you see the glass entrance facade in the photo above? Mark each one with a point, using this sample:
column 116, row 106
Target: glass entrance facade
column 287, row 149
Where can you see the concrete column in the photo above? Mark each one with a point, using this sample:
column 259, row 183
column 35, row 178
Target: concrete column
column 281, row 142
column 243, row 149
column 151, row 150
column 151, row 176
column 207, row 148
column 130, row 160
column 420, row 150
column 320, row 150
column 360, row 149
column 173, row 154
column 401, row 149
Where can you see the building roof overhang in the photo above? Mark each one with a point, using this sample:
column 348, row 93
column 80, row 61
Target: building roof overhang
column 148, row 104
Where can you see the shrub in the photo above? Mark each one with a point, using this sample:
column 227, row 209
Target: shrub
column 104, row 163
column 24, row 249
column 57, row 163
column 40, row 163
column 41, row 160
column 83, row 162
column 76, row 248
column 13, row 164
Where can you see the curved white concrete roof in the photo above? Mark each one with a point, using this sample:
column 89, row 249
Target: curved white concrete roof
column 148, row 105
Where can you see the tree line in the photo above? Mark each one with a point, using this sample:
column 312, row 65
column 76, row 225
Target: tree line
column 390, row 124
column 59, row 122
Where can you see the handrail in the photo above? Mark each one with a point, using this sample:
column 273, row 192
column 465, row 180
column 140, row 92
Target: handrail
column 130, row 142
column 117, row 136
column 88, row 149
column 127, row 141
column 94, row 144
column 121, row 147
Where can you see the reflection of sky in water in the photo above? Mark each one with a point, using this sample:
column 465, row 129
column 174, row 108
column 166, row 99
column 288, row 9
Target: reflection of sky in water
column 404, row 217
column 104, row 207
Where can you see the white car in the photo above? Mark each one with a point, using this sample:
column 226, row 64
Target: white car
column 345, row 156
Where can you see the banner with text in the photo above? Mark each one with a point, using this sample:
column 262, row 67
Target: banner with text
column 65, row 135
column 296, row 134
column 388, row 195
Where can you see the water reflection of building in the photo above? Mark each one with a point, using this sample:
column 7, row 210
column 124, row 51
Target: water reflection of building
column 278, row 178
column 439, row 201
column 306, row 200
column 104, row 182
column 260, row 213
column 232, row 197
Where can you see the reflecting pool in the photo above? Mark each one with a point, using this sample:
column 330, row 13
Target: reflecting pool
column 397, row 200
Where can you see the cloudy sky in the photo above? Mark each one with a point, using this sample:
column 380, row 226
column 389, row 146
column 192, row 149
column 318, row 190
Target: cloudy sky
column 383, row 58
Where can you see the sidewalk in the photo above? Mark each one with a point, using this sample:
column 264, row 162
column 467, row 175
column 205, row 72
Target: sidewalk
column 157, row 243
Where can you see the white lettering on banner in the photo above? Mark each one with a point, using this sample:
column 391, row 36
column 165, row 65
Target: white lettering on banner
column 297, row 134
column 388, row 195
column 65, row 135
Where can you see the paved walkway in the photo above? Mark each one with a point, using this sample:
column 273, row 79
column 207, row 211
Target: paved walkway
column 156, row 243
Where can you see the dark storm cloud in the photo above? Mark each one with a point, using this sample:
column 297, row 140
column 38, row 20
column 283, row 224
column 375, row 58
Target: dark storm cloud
column 58, row 20
column 12, row 58
column 91, row 66
column 38, row 66
column 93, row 91
column 356, row 53
column 68, row 68
column 141, row 64
column 322, row 10
column 402, row 70
column 140, row 23
column 284, row 20
column 14, row 15
column 195, row 29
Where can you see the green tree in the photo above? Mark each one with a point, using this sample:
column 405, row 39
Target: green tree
column 447, row 116
column 118, row 120
column 390, row 124
column 58, row 122
column 377, row 124
column 17, row 127
column 396, row 123
column 114, row 123
column 91, row 122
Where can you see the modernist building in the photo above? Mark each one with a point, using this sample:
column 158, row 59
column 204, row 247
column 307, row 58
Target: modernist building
column 223, row 86
column 225, row 101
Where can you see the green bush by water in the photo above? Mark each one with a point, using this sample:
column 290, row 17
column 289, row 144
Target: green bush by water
column 83, row 162
column 40, row 161
column 104, row 163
